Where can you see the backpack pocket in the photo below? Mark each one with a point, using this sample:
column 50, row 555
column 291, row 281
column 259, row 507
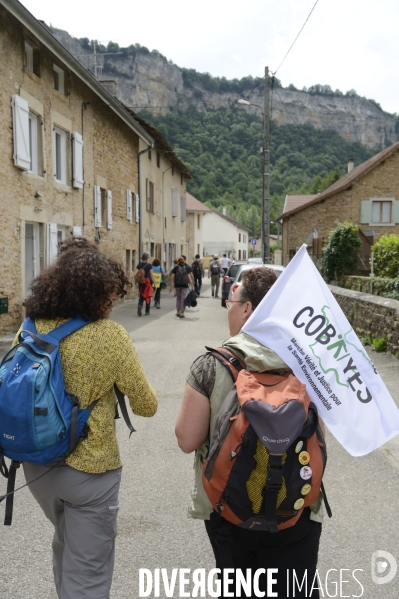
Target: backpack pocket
column 49, row 426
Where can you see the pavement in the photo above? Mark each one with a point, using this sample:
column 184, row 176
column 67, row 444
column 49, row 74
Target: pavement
column 153, row 530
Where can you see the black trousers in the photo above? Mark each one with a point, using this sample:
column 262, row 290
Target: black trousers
column 292, row 551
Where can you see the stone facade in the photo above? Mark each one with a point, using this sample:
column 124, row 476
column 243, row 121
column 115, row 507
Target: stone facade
column 314, row 222
column 39, row 208
column 371, row 315
column 163, row 212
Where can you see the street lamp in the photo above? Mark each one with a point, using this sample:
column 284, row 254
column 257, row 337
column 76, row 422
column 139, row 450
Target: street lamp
column 265, row 170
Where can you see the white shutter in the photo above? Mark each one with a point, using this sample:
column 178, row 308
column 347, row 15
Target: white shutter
column 137, row 208
column 20, row 117
column 77, row 153
column 183, row 208
column 77, row 231
column 109, row 209
column 129, row 205
column 175, row 199
column 97, row 206
column 52, row 241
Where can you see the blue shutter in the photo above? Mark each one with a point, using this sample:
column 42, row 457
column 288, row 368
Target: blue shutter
column 365, row 212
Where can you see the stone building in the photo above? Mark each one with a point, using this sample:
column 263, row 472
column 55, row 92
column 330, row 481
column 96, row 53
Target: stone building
column 162, row 183
column 69, row 158
column 195, row 226
column 368, row 195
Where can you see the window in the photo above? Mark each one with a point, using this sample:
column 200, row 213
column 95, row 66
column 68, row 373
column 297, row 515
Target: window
column 152, row 250
column 60, row 156
column 32, row 58
column 244, row 254
column 239, row 237
column 59, row 79
column 244, row 239
column 175, row 200
column 382, row 212
column 35, row 135
column 198, row 221
column 102, row 207
column 158, row 159
column 150, row 206
column 239, row 254
column 129, row 205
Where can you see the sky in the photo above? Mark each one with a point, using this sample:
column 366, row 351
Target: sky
column 345, row 44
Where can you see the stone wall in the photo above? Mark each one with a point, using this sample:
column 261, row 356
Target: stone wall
column 370, row 315
column 110, row 161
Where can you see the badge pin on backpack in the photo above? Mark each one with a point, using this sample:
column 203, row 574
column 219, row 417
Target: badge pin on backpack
column 267, row 453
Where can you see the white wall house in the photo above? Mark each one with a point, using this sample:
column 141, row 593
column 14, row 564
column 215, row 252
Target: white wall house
column 195, row 226
column 223, row 235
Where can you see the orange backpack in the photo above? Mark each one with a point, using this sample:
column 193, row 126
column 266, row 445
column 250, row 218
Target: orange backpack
column 267, row 452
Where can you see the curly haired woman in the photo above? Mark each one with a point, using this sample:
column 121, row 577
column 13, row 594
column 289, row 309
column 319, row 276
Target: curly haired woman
column 80, row 497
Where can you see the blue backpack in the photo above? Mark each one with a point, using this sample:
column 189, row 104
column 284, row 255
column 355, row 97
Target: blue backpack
column 39, row 420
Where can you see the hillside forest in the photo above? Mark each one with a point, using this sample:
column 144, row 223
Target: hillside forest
column 223, row 149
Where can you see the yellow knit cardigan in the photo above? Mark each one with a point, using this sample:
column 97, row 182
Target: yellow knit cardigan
column 93, row 359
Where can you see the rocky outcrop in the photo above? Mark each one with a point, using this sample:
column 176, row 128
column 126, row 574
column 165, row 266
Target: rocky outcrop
column 150, row 81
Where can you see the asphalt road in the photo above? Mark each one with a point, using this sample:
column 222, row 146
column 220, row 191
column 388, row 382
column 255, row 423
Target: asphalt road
column 154, row 531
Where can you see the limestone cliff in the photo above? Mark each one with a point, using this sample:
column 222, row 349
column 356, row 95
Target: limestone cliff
column 150, row 81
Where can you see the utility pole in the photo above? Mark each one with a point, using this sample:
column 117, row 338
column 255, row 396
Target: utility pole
column 266, row 174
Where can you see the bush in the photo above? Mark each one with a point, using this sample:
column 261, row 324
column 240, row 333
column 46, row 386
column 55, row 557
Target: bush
column 339, row 256
column 386, row 256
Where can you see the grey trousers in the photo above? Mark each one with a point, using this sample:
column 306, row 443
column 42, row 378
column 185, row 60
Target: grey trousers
column 215, row 282
column 83, row 509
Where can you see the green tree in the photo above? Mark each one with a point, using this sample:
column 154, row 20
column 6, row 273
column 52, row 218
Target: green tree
column 339, row 256
column 386, row 256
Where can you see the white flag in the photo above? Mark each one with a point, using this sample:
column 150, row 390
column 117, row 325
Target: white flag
column 302, row 322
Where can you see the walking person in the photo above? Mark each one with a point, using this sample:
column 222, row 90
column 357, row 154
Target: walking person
column 207, row 386
column 197, row 268
column 180, row 280
column 225, row 263
column 157, row 272
column 80, row 495
column 214, row 271
column 145, row 280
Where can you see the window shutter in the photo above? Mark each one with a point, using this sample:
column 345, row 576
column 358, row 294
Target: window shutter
column 183, row 208
column 109, row 209
column 365, row 211
column 175, row 207
column 77, row 164
column 97, row 206
column 396, row 211
column 129, row 205
column 77, row 231
column 137, row 208
column 52, row 241
column 147, row 194
column 20, row 116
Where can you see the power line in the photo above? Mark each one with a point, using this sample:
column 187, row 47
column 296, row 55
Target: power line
column 296, row 38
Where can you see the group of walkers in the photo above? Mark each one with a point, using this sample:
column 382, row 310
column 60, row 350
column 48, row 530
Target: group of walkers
column 80, row 495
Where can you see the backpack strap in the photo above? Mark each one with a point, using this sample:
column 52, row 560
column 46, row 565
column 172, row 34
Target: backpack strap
column 122, row 403
column 10, row 492
column 232, row 364
column 273, row 485
column 68, row 328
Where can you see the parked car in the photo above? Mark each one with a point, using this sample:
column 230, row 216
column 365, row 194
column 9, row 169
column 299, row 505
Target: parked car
column 228, row 279
column 244, row 267
column 255, row 261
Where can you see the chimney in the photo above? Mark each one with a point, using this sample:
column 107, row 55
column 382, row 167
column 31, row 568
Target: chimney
column 224, row 210
column 351, row 164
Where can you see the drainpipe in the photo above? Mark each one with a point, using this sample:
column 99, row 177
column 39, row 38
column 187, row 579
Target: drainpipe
column 140, row 196
column 163, row 220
